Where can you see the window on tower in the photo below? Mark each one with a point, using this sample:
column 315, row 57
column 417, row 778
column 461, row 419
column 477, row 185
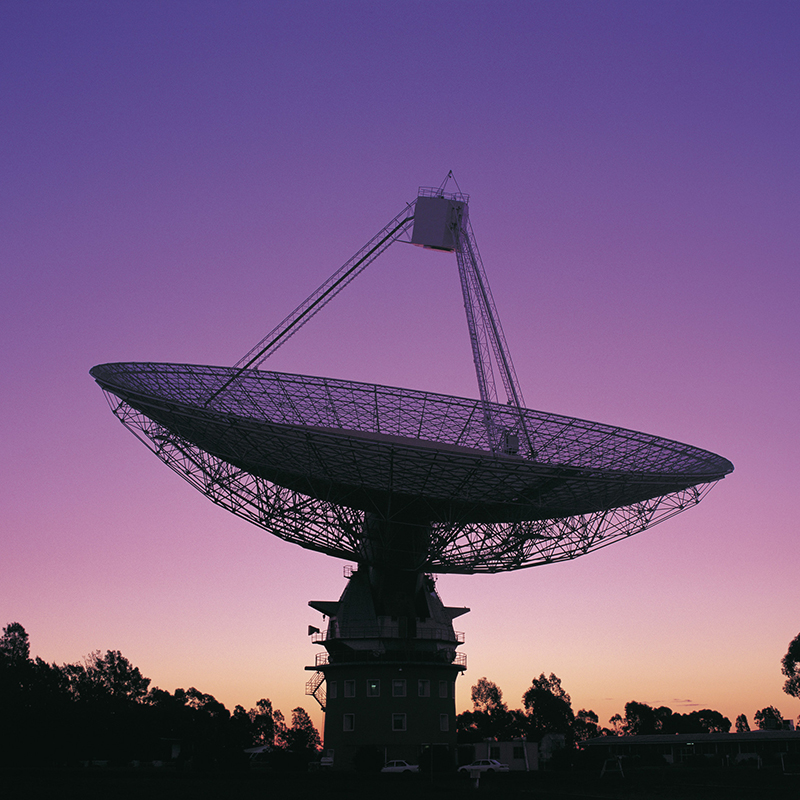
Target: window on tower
column 349, row 722
column 423, row 687
column 398, row 722
column 349, row 688
column 373, row 688
column 399, row 687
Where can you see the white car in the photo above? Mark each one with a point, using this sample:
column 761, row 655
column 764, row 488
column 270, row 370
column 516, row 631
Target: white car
column 484, row 765
column 400, row 766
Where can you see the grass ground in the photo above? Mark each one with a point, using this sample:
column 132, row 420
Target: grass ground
column 151, row 784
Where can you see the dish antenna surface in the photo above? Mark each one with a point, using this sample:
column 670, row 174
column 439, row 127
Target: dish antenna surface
column 406, row 484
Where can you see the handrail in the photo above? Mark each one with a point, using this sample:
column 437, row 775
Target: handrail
column 323, row 659
column 387, row 631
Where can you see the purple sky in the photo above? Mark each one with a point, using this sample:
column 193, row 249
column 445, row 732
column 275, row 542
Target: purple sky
column 177, row 176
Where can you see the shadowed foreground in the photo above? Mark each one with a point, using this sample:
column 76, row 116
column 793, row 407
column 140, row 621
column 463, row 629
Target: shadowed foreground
column 129, row 784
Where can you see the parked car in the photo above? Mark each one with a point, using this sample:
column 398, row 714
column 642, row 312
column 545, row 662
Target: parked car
column 484, row 765
column 400, row 766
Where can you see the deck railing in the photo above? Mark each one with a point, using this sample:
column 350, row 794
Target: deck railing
column 388, row 631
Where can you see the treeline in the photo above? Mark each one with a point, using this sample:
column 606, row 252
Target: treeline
column 547, row 708
column 103, row 709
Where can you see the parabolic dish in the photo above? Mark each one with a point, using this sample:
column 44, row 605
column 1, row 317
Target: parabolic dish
column 309, row 458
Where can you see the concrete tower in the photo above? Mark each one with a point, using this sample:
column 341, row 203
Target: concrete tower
column 387, row 677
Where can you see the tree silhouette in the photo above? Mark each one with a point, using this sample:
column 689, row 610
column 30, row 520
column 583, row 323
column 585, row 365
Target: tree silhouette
column 15, row 648
column 742, row 725
column 262, row 717
column 642, row 719
column 17, row 698
column 281, row 731
column 548, row 707
column 103, row 708
column 790, row 667
column 114, row 675
column 586, row 725
column 302, row 736
column 768, row 718
column 487, row 697
column 708, row 721
column 490, row 717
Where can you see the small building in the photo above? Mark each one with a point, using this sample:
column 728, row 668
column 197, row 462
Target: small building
column 520, row 754
column 680, row 748
column 549, row 745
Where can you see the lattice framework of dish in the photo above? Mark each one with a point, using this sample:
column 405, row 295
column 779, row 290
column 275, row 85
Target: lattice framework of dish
column 309, row 458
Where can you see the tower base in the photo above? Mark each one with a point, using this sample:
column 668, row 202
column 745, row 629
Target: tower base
column 387, row 680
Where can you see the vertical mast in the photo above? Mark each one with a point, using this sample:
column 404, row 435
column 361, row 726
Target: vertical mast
column 442, row 223
column 489, row 348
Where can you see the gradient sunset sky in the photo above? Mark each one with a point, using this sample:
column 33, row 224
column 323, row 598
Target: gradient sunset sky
column 177, row 176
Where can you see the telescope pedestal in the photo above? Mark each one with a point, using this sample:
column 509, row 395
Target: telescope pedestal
column 387, row 677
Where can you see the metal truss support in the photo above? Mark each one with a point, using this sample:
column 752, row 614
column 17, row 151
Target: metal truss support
column 486, row 334
column 489, row 346
column 316, row 301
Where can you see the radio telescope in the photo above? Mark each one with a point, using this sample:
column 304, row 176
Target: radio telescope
column 405, row 484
